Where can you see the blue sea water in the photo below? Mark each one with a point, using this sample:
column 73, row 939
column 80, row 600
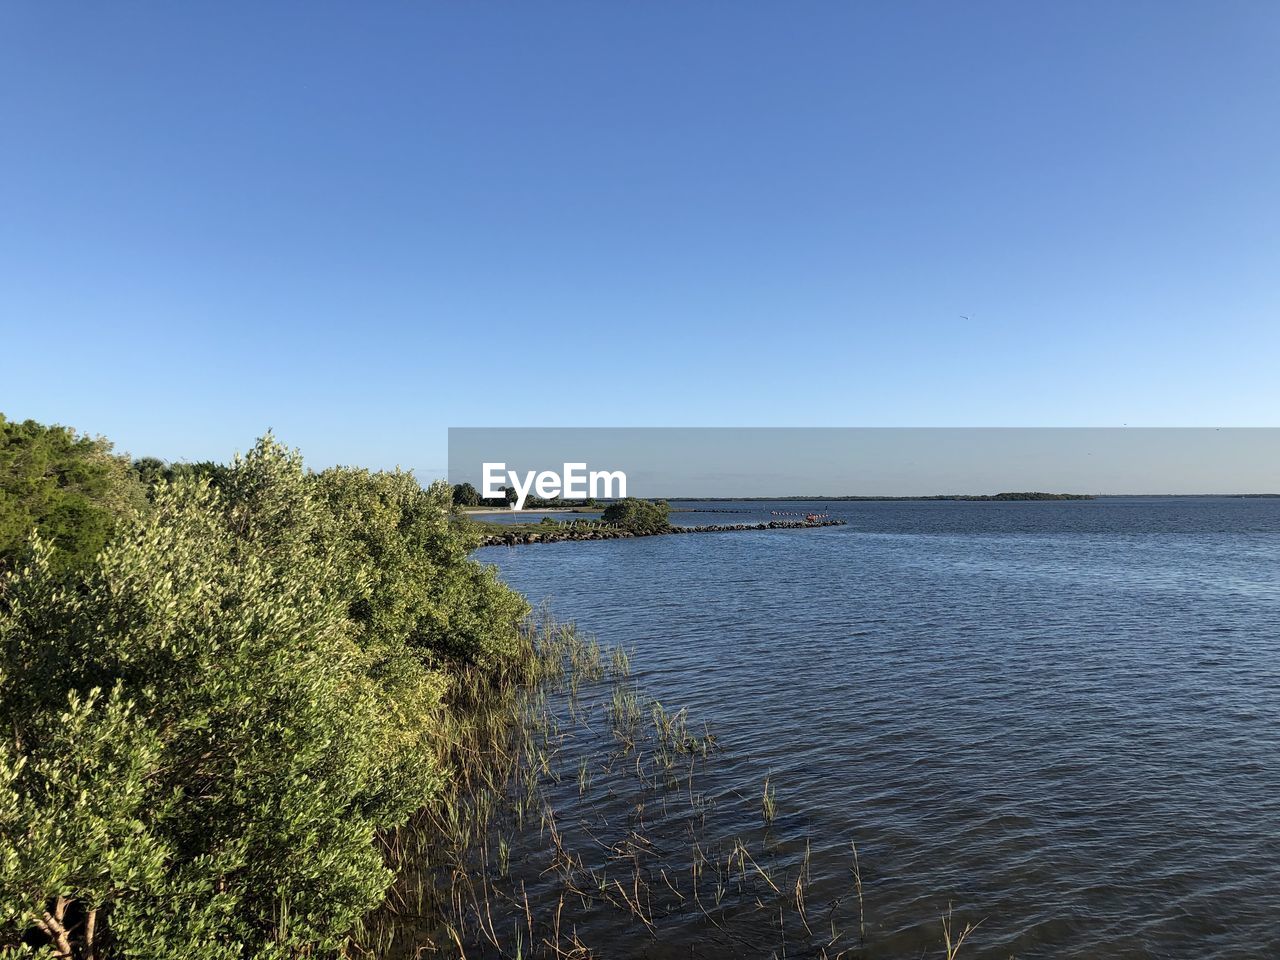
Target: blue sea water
column 1061, row 718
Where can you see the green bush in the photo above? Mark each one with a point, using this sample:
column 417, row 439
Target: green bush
column 410, row 579
column 150, row 471
column 465, row 495
column 71, row 488
column 205, row 728
column 638, row 516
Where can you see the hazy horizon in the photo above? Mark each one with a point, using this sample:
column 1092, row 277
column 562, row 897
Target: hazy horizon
column 759, row 462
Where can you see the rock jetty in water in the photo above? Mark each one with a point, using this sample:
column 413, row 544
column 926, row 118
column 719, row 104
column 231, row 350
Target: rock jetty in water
column 606, row 533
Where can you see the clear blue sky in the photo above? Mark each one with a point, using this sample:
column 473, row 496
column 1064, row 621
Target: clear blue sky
column 360, row 224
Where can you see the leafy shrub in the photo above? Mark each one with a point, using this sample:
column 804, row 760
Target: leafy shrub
column 150, row 471
column 71, row 488
column 638, row 516
column 465, row 495
column 410, row 579
column 203, row 731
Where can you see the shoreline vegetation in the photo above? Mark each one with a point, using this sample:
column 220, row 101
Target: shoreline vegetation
column 222, row 692
column 249, row 711
column 583, row 808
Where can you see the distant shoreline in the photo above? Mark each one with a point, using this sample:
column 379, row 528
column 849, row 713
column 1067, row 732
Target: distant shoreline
column 1032, row 497
column 851, row 498
column 982, row 498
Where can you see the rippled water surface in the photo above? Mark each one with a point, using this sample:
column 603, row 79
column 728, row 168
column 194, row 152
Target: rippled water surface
column 1063, row 717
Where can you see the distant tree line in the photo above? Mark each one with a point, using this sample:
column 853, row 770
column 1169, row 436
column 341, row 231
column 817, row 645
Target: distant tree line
column 1034, row 495
column 466, row 495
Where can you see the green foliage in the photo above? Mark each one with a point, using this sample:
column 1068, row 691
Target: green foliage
column 509, row 496
column 638, row 516
column 465, row 495
column 410, row 580
column 70, row 488
column 532, row 502
column 150, row 471
column 205, row 729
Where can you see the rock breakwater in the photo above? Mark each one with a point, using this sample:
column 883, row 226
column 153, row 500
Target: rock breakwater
column 608, row 533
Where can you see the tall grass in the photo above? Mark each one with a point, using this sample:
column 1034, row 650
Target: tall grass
column 769, row 801
column 572, row 824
